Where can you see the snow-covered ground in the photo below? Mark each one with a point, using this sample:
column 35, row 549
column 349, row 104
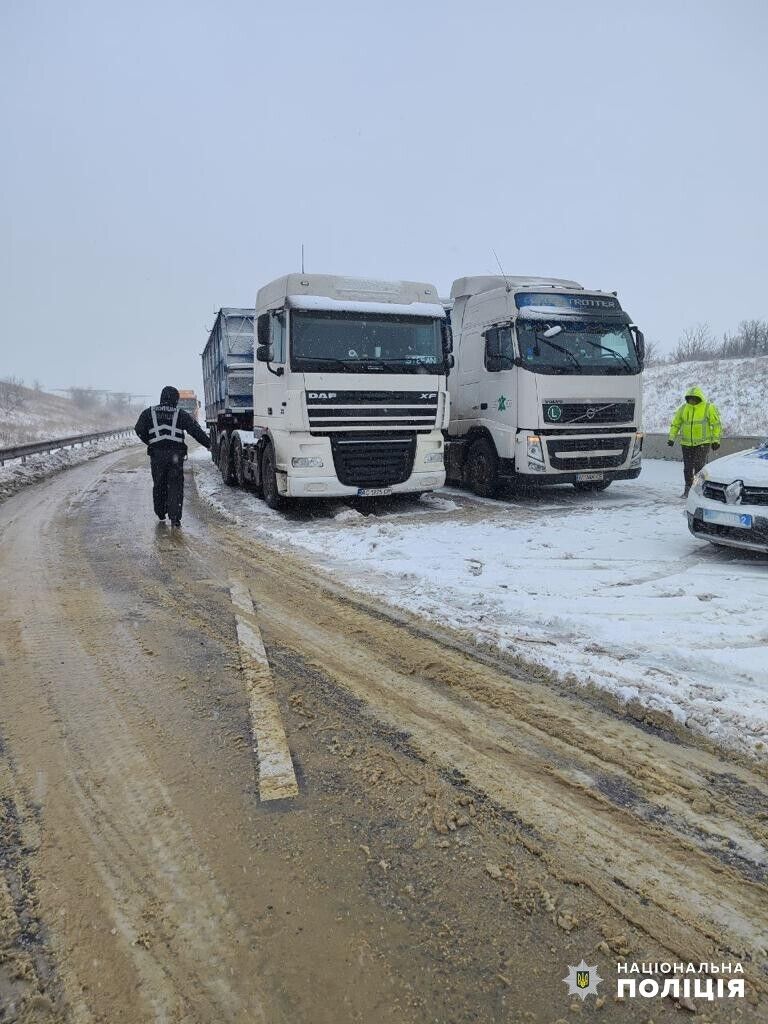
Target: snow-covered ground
column 17, row 474
column 607, row 589
column 737, row 386
column 27, row 415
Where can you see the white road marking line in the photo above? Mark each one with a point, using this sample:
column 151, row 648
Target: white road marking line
column 277, row 778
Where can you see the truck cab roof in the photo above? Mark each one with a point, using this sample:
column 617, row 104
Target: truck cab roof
column 465, row 286
column 344, row 291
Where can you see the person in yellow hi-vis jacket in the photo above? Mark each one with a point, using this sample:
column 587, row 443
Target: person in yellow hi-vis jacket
column 697, row 422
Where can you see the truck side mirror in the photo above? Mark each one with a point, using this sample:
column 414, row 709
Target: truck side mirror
column 264, row 354
column 447, row 334
column 640, row 342
column 262, row 332
column 450, row 362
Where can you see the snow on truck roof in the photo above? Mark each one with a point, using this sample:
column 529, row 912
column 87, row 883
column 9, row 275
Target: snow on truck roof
column 464, row 286
column 345, row 291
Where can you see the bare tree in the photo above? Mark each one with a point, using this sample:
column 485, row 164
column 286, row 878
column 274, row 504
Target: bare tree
column 653, row 356
column 695, row 344
column 11, row 394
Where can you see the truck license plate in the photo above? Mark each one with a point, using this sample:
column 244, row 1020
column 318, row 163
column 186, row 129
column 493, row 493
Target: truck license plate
column 585, row 478
column 372, row 492
column 740, row 519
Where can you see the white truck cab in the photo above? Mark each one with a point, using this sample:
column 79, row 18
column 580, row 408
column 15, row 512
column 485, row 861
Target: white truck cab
column 349, row 389
column 546, row 387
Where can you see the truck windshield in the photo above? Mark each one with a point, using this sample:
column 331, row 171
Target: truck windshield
column 356, row 343
column 579, row 348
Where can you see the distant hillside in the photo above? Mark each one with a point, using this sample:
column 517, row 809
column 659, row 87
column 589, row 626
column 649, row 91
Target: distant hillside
column 27, row 415
column 737, row 386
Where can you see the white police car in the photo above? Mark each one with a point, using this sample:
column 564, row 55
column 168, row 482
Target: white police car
column 728, row 502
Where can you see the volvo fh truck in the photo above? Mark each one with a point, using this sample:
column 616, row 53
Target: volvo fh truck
column 546, row 387
column 349, row 393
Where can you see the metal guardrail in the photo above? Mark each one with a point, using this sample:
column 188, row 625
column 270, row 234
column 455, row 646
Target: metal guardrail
column 21, row 451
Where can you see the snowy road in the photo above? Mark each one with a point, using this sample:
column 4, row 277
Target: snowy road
column 456, row 833
column 606, row 590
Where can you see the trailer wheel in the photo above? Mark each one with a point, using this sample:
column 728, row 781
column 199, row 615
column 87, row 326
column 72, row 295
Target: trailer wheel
column 481, row 470
column 225, row 462
column 272, row 497
column 596, row 485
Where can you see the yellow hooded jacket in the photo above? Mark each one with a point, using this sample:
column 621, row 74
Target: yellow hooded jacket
column 696, row 424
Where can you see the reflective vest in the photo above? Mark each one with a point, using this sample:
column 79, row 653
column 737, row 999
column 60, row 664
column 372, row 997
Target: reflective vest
column 696, row 424
column 165, row 431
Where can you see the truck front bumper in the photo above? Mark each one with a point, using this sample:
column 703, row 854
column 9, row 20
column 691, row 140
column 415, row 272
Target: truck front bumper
column 329, row 486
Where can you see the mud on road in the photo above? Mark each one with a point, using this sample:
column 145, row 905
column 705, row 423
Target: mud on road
column 464, row 830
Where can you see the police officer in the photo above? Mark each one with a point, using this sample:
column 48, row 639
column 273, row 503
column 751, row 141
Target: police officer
column 162, row 428
column 697, row 422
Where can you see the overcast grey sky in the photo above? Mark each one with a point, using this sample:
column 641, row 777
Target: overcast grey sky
column 161, row 159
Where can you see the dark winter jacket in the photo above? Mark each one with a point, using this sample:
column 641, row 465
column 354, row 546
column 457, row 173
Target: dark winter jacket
column 164, row 415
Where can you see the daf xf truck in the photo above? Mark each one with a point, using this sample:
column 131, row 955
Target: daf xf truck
column 546, row 387
column 349, row 392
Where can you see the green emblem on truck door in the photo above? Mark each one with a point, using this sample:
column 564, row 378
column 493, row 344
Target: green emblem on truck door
column 554, row 412
column 502, row 403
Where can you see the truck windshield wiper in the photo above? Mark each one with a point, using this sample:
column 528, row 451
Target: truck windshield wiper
column 560, row 348
column 605, row 348
column 345, row 364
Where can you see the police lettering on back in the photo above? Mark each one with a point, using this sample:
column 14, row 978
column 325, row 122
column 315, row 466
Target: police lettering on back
column 162, row 428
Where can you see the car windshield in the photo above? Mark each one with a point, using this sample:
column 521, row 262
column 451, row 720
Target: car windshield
column 578, row 347
column 358, row 343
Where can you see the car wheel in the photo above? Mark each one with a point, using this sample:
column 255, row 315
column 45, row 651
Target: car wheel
column 481, row 471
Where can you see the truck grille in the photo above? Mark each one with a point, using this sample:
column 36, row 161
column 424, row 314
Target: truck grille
column 333, row 411
column 586, row 413
column 373, row 461
column 577, row 453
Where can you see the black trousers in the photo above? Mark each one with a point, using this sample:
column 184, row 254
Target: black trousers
column 694, row 460
column 168, row 481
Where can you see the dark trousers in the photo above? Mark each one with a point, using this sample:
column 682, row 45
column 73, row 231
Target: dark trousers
column 168, row 481
column 694, row 460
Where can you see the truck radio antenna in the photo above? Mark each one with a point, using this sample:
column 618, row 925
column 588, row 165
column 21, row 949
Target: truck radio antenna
column 509, row 286
column 302, row 257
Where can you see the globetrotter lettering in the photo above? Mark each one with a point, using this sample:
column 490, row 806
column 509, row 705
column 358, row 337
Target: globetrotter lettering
column 702, row 986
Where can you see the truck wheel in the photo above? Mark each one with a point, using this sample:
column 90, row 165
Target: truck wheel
column 225, row 462
column 272, row 497
column 481, row 470
column 596, row 485
column 237, row 466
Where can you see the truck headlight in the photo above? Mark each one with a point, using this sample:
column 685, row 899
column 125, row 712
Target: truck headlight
column 637, row 451
column 434, row 457
column 535, row 451
column 307, row 462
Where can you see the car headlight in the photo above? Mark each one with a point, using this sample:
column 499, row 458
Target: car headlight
column 307, row 462
column 434, row 457
column 698, row 482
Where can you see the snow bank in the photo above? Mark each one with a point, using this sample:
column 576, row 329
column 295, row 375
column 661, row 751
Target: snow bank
column 15, row 475
column 609, row 590
column 737, row 386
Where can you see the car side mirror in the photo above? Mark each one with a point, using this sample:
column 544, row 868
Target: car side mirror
column 264, row 354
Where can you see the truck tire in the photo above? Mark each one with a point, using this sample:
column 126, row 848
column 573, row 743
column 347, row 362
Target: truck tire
column 272, row 497
column 225, row 462
column 481, row 469
column 238, row 468
column 596, row 485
